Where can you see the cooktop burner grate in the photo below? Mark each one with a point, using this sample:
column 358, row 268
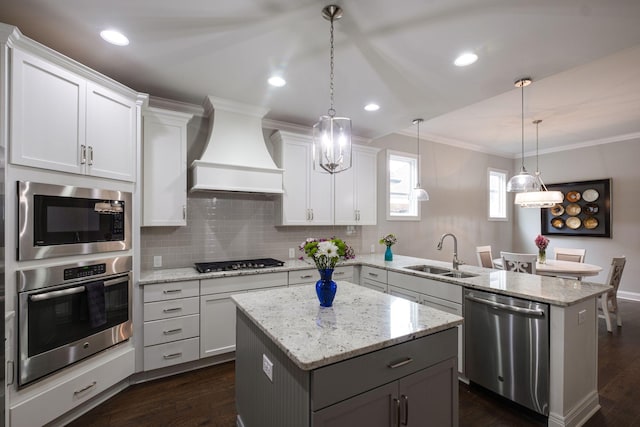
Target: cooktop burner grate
column 209, row 267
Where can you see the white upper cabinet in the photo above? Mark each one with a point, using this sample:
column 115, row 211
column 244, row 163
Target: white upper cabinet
column 65, row 122
column 164, row 181
column 308, row 194
column 356, row 189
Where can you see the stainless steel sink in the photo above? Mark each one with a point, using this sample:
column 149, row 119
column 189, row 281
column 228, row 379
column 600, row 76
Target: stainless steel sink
column 440, row 271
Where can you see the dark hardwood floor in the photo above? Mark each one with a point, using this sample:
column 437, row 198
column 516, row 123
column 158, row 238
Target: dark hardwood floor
column 206, row 397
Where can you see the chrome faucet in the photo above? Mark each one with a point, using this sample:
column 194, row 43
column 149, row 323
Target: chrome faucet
column 456, row 261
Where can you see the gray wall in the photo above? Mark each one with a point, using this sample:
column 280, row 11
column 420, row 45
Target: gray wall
column 618, row 161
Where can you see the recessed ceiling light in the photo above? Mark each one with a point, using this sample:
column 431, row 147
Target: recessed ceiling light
column 465, row 59
column 277, row 81
column 114, row 37
column 372, row 107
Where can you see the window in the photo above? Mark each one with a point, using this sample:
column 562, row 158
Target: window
column 497, row 195
column 402, row 172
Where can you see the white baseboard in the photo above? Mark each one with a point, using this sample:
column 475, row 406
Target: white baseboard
column 632, row 296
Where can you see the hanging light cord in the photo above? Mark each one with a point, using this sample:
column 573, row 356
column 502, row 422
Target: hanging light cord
column 332, row 111
column 417, row 123
column 538, row 176
column 522, row 121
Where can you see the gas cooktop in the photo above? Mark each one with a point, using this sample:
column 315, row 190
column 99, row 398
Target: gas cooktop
column 209, row 267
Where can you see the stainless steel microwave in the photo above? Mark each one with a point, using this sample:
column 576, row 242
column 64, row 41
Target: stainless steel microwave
column 61, row 220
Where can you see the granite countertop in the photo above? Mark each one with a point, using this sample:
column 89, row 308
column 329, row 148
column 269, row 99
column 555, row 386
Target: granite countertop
column 360, row 321
column 550, row 290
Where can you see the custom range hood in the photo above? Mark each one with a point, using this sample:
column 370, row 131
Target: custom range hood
column 235, row 157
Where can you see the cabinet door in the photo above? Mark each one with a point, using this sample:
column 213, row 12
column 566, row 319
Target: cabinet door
column 320, row 196
column 375, row 408
column 430, row 396
column 366, row 189
column 295, row 203
column 345, row 190
column 164, row 200
column 47, row 114
column 217, row 324
column 111, row 134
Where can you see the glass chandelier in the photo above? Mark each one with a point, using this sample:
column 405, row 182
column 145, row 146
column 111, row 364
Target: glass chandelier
column 523, row 181
column 419, row 193
column 331, row 134
column 543, row 198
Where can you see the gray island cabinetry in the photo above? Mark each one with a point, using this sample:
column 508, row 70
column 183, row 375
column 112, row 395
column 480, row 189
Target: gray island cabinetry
column 370, row 360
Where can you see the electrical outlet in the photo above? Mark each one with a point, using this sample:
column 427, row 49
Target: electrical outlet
column 373, row 248
column 292, row 253
column 157, row 261
column 582, row 315
column 267, row 367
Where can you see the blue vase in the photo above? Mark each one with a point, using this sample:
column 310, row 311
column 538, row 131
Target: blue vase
column 388, row 255
column 326, row 288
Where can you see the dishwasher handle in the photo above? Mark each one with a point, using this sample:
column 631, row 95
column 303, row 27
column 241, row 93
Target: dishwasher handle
column 506, row 307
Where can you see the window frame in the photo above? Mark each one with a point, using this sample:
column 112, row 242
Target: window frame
column 414, row 178
column 504, row 174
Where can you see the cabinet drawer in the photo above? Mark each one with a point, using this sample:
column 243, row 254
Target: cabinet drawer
column 372, row 284
column 373, row 273
column 171, row 308
column 404, row 293
column 171, row 290
column 173, row 353
column 333, row 383
column 423, row 285
column 91, row 380
column 311, row 275
column 167, row 330
column 242, row 283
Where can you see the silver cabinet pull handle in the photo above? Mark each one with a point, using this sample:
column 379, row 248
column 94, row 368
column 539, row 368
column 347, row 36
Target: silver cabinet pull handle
column 172, row 331
column 506, row 307
column 83, row 154
column 401, row 363
column 184, row 212
column 171, row 291
column 339, row 273
column 172, row 309
column 307, row 276
column 82, row 390
column 172, row 355
column 373, row 274
column 396, row 409
column 90, row 155
column 405, row 401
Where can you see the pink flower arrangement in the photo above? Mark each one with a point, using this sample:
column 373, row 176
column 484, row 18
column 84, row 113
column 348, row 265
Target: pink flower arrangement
column 541, row 242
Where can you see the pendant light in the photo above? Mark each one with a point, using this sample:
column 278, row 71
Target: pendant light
column 523, row 181
column 331, row 134
column 419, row 193
column 543, row 198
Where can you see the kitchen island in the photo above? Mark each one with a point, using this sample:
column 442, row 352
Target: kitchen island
column 370, row 359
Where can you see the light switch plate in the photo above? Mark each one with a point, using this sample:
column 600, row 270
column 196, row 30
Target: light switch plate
column 267, row 367
column 292, row 253
column 157, row 261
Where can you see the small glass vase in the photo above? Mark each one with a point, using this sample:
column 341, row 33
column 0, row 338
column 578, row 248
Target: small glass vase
column 388, row 255
column 542, row 256
column 326, row 288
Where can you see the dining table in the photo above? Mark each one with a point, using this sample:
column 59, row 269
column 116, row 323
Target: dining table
column 555, row 267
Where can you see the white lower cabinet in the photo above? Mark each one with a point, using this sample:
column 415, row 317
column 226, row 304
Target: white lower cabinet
column 89, row 381
column 433, row 293
column 374, row 278
column 171, row 323
column 218, row 311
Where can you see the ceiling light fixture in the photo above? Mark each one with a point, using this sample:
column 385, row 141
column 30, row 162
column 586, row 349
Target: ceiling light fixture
column 277, row 81
column 332, row 135
column 465, row 59
column 372, row 107
column 543, row 198
column 419, row 193
column 114, row 37
column 523, row 181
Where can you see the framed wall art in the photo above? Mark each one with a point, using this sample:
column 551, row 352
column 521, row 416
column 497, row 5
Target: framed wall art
column 585, row 211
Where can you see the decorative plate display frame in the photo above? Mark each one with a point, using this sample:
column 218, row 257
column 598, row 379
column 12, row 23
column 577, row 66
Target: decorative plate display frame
column 598, row 212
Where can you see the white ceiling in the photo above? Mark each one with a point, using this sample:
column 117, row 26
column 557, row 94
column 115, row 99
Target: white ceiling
column 583, row 55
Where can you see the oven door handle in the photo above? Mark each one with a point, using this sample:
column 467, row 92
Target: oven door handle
column 70, row 291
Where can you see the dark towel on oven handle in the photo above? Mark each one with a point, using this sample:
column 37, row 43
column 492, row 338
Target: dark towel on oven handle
column 96, row 302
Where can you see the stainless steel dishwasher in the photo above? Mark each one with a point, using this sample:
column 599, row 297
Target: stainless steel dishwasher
column 507, row 347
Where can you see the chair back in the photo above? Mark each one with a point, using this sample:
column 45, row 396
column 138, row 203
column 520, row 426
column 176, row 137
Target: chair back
column 520, row 263
column 615, row 275
column 570, row 254
column 485, row 258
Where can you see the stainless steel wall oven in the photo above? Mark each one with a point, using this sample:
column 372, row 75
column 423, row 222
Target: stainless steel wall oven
column 58, row 220
column 69, row 312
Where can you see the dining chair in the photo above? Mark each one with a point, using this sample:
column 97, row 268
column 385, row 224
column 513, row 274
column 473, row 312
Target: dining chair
column 609, row 301
column 570, row 254
column 520, row 263
column 485, row 258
